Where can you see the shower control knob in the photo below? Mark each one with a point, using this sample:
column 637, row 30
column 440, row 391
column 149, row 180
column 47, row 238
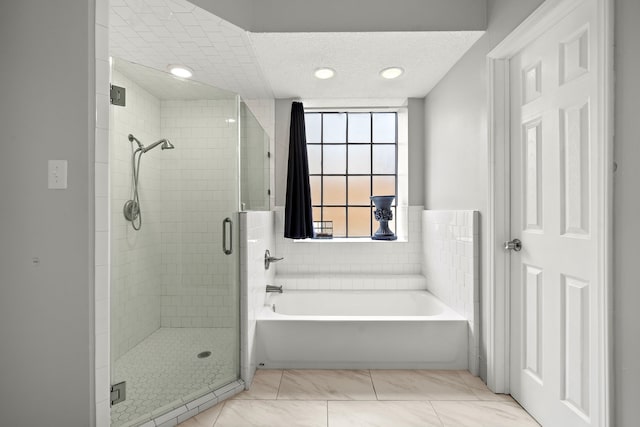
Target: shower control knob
column 514, row 244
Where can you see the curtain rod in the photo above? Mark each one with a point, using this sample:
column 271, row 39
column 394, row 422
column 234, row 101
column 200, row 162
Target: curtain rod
column 345, row 108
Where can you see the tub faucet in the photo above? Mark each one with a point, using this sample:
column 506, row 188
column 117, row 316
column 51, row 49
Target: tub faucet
column 274, row 288
column 268, row 259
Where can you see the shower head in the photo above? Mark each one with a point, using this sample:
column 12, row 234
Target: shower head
column 166, row 144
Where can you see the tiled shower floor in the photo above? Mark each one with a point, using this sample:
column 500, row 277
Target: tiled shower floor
column 164, row 371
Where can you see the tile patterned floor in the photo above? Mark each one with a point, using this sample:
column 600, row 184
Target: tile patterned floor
column 365, row 398
column 164, row 369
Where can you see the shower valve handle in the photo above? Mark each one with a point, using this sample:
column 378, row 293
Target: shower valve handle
column 268, row 259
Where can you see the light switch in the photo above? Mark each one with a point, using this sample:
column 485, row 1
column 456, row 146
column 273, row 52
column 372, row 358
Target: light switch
column 57, row 174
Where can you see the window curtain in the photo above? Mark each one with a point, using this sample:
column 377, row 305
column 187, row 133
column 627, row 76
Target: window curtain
column 298, row 219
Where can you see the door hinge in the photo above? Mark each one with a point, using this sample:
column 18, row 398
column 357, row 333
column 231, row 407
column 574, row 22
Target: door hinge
column 117, row 95
column 118, row 392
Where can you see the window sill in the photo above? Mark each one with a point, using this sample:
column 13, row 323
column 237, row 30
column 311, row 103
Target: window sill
column 350, row 240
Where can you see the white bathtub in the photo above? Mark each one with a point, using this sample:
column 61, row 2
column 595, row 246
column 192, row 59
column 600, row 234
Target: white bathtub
column 360, row 330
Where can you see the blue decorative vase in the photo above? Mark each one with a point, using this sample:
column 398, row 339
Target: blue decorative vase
column 383, row 214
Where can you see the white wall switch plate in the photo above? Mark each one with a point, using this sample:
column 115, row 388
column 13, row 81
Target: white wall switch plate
column 57, row 174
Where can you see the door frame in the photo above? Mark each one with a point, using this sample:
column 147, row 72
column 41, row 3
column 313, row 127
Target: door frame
column 497, row 299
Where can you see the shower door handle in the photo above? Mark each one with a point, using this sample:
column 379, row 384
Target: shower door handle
column 226, row 251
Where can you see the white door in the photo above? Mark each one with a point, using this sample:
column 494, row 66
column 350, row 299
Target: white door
column 554, row 286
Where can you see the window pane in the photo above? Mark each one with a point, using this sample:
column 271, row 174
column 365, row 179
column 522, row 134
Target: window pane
column 384, row 127
column 312, row 127
column 335, row 190
column 359, row 222
column 359, row 159
column 315, row 160
column 359, row 190
column 384, row 186
column 314, row 183
column 335, row 159
column 338, row 216
column 384, row 159
column 317, row 213
column 359, row 127
column 334, row 128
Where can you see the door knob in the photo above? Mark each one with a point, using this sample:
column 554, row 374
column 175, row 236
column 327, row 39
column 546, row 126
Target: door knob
column 514, row 244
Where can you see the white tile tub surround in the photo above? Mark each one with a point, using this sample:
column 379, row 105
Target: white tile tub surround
column 351, row 281
column 256, row 236
column 198, row 189
column 325, row 257
column 450, row 264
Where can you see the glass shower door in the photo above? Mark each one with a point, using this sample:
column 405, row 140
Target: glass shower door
column 175, row 281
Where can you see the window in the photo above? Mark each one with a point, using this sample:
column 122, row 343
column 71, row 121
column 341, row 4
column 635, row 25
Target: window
column 352, row 156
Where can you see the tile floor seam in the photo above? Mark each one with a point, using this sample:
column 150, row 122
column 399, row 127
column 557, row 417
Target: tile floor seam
column 327, row 403
column 224, row 403
column 280, row 384
column 437, row 414
column 373, row 384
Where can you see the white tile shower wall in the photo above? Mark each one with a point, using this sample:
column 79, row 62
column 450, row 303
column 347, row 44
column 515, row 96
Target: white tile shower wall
column 256, row 236
column 200, row 189
column 450, row 264
column 135, row 255
column 346, row 265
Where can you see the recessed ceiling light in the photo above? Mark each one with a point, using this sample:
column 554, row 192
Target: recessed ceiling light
column 180, row 71
column 324, row 73
column 391, row 72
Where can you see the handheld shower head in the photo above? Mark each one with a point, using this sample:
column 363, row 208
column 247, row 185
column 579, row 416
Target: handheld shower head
column 133, row 138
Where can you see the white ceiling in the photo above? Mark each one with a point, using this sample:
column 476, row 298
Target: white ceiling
column 157, row 33
column 288, row 61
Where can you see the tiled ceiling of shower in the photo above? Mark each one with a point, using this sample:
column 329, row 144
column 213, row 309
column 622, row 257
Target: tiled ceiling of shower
column 157, row 33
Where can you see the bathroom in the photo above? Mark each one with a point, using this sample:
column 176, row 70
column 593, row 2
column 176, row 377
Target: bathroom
column 402, row 258
column 192, row 270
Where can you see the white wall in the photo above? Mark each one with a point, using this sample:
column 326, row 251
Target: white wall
column 456, row 115
column 307, row 16
column 455, row 161
column 47, row 236
column 627, row 213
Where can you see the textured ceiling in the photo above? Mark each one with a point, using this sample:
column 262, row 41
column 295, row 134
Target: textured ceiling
column 156, row 33
column 289, row 59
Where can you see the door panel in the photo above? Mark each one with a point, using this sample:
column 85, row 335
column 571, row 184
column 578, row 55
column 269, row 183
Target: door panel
column 553, row 277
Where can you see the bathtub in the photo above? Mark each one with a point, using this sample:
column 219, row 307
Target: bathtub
column 360, row 330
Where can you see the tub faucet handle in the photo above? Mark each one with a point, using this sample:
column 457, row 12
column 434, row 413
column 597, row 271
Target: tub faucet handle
column 268, row 259
column 274, row 288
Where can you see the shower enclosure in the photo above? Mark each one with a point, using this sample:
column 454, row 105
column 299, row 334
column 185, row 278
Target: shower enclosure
column 175, row 329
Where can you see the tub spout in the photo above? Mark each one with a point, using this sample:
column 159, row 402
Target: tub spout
column 274, row 288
